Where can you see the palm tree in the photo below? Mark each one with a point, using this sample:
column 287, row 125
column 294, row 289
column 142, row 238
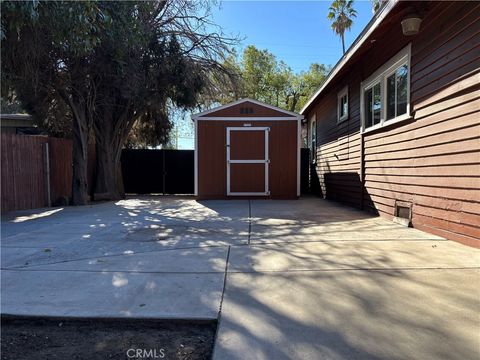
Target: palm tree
column 341, row 14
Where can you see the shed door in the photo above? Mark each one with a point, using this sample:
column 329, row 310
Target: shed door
column 247, row 161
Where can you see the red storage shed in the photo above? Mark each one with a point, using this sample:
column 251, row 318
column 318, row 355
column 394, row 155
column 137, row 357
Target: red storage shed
column 247, row 149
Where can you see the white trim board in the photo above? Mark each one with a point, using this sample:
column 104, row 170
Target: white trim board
column 248, row 128
column 256, row 118
column 206, row 112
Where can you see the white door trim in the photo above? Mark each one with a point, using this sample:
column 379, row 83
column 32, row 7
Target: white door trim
column 265, row 161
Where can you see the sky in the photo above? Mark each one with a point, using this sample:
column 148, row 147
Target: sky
column 297, row 32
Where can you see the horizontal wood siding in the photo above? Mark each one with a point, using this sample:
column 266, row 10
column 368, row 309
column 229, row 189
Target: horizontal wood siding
column 431, row 161
column 339, row 146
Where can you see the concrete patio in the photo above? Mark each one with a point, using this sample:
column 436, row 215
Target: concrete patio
column 304, row 279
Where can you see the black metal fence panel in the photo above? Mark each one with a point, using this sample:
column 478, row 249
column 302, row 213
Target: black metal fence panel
column 179, row 171
column 158, row 171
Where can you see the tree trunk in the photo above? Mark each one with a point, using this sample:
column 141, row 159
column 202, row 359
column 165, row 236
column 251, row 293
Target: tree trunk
column 80, row 158
column 294, row 103
column 343, row 43
column 81, row 125
column 108, row 184
column 111, row 132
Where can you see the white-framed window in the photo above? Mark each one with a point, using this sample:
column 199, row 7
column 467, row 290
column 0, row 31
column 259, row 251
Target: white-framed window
column 385, row 96
column 342, row 105
column 313, row 139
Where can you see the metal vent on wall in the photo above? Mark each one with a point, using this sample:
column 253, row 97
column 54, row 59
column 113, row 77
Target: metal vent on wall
column 403, row 213
column 246, row 110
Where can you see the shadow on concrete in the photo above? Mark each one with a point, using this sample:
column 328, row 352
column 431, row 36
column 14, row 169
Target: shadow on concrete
column 351, row 293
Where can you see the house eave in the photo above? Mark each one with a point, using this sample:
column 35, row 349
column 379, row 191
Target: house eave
column 378, row 18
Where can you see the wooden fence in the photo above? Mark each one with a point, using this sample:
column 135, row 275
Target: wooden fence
column 26, row 169
column 23, row 172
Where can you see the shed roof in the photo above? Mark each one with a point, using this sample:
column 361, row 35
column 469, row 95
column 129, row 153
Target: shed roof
column 219, row 112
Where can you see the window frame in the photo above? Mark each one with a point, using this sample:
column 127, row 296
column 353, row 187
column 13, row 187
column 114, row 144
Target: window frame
column 340, row 95
column 370, row 86
column 380, row 76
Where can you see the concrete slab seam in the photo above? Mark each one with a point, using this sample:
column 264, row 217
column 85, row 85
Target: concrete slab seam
column 219, row 317
column 117, row 255
column 258, row 243
column 247, row 271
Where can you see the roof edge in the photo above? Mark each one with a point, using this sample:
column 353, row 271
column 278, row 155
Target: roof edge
column 260, row 103
column 16, row 116
column 359, row 41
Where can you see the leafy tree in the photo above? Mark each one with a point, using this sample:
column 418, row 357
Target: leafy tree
column 45, row 48
column 313, row 79
column 11, row 105
column 51, row 115
column 341, row 14
column 264, row 78
column 303, row 86
column 258, row 71
column 279, row 81
column 115, row 64
column 377, row 4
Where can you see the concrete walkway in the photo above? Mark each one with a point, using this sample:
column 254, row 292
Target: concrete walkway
column 305, row 279
column 147, row 258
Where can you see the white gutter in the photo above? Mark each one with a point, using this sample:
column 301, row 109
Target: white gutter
column 359, row 41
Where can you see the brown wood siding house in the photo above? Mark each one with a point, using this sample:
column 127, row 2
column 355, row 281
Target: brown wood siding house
column 247, row 149
column 396, row 125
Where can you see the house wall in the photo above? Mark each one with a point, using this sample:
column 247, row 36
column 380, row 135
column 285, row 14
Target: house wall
column 338, row 146
column 212, row 170
column 431, row 161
